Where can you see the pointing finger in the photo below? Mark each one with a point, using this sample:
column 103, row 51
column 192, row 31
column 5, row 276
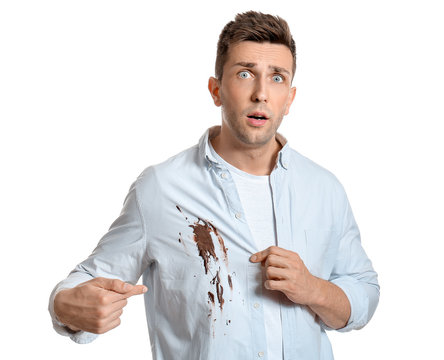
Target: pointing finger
column 115, row 285
column 136, row 290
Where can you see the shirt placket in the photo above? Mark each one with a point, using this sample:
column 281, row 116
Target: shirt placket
column 258, row 341
column 283, row 235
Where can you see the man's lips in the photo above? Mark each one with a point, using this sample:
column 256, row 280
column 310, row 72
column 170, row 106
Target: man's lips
column 257, row 119
column 258, row 115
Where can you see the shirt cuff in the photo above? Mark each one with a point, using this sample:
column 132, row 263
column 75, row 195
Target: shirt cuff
column 80, row 337
column 359, row 303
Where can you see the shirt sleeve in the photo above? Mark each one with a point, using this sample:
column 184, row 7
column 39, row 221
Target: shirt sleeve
column 120, row 254
column 354, row 274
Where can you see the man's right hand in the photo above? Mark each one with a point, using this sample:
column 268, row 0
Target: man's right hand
column 95, row 305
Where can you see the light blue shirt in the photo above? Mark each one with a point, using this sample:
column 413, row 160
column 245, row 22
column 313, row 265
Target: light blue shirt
column 183, row 228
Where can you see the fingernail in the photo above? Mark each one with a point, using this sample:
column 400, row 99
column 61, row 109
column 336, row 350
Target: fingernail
column 145, row 289
column 253, row 258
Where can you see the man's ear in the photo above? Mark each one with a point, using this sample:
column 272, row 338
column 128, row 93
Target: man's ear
column 214, row 87
column 291, row 96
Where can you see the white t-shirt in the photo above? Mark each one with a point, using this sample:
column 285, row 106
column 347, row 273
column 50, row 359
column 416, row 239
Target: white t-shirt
column 256, row 198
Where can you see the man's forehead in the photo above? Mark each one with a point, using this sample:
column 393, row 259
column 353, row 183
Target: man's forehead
column 260, row 53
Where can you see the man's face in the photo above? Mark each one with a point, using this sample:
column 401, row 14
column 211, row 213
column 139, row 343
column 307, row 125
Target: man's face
column 255, row 92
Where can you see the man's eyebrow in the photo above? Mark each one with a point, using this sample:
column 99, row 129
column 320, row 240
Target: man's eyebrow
column 280, row 70
column 246, row 64
column 277, row 69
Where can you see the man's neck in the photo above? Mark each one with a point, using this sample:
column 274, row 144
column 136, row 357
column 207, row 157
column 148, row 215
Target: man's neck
column 257, row 161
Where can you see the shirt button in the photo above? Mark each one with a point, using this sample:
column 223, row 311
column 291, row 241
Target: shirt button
column 238, row 215
column 256, row 305
column 223, row 175
column 261, row 353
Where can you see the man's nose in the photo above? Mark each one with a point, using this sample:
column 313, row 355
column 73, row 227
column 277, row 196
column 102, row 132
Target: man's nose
column 260, row 92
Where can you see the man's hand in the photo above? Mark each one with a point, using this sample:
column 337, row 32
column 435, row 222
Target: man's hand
column 95, row 305
column 285, row 271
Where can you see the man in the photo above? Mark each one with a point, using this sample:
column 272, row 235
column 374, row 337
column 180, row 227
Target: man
column 247, row 249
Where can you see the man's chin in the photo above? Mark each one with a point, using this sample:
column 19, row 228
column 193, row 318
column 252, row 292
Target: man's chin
column 255, row 140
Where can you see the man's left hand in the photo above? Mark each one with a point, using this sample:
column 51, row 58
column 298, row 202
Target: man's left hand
column 285, row 271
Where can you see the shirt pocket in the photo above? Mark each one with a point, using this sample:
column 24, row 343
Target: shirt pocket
column 321, row 251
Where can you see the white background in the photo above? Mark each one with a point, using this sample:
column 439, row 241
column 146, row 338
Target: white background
column 92, row 92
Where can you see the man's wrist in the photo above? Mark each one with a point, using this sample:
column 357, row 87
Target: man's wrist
column 330, row 303
column 318, row 297
column 69, row 328
column 71, row 331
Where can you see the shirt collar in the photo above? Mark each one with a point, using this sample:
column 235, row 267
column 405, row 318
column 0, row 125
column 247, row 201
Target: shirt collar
column 205, row 153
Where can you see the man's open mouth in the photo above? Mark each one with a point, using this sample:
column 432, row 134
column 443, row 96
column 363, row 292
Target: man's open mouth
column 258, row 116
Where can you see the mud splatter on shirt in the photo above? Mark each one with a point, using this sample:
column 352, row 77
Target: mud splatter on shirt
column 204, row 242
column 219, row 289
column 202, row 236
column 211, row 296
column 229, row 282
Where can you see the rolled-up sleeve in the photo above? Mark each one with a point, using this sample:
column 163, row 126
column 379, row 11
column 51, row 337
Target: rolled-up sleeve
column 353, row 272
column 120, row 254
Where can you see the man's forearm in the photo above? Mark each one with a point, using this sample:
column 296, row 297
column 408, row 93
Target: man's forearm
column 331, row 304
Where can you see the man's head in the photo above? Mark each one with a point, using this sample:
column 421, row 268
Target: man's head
column 257, row 27
column 254, row 71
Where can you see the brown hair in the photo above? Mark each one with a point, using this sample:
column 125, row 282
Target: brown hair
column 253, row 26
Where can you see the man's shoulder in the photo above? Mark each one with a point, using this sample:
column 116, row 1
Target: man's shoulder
column 178, row 165
column 303, row 167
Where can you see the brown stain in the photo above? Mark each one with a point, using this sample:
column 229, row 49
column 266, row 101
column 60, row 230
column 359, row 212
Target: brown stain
column 202, row 231
column 221, row 243
column 182, row 241
column 220, row 293
column 204, row 242
column 210, row 314
column 178, row 208
column 211, row 297
column 219, row 290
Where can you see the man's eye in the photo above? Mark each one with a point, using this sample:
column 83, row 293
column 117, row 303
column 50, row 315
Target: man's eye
column 244, row 75
column 278, row 78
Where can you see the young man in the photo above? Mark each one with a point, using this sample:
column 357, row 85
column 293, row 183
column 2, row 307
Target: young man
column 247, row 249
